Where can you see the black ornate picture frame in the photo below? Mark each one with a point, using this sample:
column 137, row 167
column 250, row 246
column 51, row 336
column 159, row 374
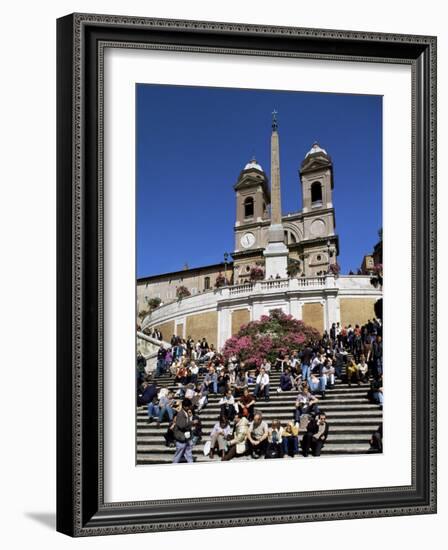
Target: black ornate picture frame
column 81, row 509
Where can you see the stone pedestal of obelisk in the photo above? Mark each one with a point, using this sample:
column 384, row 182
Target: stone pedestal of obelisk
column 276, row 252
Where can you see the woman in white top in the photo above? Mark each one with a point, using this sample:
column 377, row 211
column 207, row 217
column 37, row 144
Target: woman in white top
column 363, row 369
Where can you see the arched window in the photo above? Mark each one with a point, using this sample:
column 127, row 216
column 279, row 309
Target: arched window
column 249, row 207
column 316, row 194
column 290, row 238
column 206, row 283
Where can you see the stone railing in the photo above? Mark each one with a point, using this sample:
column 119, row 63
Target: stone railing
column 299, row 286
column 274, row 284
column 237, row 290
column 315, row 282
column 149, row 348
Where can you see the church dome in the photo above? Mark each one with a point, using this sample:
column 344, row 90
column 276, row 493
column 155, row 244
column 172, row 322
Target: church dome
column 253, row 165
column 316, row 149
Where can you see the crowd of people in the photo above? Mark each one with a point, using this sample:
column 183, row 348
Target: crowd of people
column 197, row 371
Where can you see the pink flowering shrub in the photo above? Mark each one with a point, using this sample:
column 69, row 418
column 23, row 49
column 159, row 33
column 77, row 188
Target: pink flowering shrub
column 271, row 336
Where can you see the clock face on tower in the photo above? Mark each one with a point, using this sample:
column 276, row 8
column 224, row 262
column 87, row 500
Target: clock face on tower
column 247, row 240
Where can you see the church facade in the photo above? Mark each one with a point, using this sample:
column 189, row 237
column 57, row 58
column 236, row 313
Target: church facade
column 294, row 255
column 309, row 234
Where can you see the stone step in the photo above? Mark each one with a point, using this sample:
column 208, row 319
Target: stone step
column 198, row 449
column 290, row 397
column 269, row 406
column 364, row 431
column 285, row 417
column 329, row 449
column 352, row 417
column 338, row 388
column 153, row 441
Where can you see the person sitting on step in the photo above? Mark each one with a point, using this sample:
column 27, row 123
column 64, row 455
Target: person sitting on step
column 290, row 438
column 219, row 437
column 262, row 385
column 246, row 404
column 210, row 381
column 329, row 373
column 316, row 435
column 363, row 369
column 286, row 380
column 275, row 441
column 257, row 436
column 228, row 405
column 241, row 382
column 237, row 444
column 306, row 403
column 166, row 405
column 352, row 373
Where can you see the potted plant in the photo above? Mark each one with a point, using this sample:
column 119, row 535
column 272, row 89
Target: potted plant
column 334, row 269
column 220, row 281
column 154, row 303
column 256, row 273
column 182, row 292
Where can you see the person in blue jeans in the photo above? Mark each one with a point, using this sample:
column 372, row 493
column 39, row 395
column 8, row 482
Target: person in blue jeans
column 165, row 406
column 161, row 355
column 210, row 382
column 290, row 439
column 305, row 371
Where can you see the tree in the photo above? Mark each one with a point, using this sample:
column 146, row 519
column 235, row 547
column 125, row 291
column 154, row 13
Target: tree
column 273, row 335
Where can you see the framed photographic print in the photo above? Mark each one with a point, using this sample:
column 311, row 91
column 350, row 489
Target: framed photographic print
column 246, row 274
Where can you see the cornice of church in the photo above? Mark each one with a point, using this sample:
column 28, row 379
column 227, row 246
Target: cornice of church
column 286, row 218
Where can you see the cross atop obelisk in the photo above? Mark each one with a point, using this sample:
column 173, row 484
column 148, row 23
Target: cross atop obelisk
column 276, row 252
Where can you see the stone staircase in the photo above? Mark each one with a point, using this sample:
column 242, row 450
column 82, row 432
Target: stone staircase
column 351, row 416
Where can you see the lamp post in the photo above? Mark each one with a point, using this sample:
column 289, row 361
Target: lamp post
column 226, row 257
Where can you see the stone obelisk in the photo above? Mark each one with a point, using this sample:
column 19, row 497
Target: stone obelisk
column 276, row 252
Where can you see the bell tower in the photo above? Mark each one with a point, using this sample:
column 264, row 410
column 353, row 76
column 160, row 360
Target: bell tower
column 316, row 173
column 320, row 244
column 252, row 201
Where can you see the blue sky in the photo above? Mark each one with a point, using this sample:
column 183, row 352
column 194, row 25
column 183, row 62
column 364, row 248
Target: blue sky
column 193, row 142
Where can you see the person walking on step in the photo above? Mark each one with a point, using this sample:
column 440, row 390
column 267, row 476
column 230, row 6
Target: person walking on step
column 316, row 435
column 182, row 433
